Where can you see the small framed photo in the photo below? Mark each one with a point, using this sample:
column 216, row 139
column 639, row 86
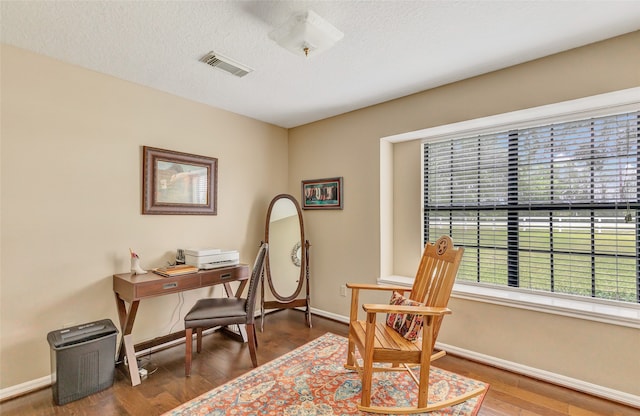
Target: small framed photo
column 178, row 183
column 322, row 193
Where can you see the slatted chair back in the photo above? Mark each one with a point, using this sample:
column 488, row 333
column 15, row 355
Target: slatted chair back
column 256, row 273
column 436, row 274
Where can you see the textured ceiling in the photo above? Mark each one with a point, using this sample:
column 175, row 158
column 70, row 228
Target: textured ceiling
column 390, row 48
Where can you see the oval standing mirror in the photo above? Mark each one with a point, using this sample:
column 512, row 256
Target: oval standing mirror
column 287, row 262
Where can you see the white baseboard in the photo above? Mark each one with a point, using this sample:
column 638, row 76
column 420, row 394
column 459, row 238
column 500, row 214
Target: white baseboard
column 572, row 383
column 23, row 388
column 43, row 382
column 330, row 315
column 558, row 379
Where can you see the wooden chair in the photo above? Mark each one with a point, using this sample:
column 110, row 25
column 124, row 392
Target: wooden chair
column 211, row 312
column 377, row 342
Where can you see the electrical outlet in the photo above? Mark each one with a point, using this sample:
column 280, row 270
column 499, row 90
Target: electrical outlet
column 343, row 290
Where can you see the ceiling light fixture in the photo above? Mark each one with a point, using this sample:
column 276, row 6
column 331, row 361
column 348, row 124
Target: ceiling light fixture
column 306, row 33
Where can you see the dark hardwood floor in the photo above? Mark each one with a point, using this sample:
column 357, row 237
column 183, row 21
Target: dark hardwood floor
column 223, row 359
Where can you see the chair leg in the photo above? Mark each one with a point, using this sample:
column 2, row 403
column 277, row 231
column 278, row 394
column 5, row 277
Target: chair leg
column 199, row 340
column 251, row 334
column 425, row 362
column 255, row 337
column 187, row 355
column 367, row 360
column 350, row 351
column 367, row 375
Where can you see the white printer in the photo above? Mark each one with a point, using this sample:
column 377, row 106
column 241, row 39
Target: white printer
column 211, row 258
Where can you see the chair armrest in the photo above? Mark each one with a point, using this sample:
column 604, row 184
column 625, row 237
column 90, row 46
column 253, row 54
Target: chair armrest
column 369, row 286
column 414, row 310
column 355, row 294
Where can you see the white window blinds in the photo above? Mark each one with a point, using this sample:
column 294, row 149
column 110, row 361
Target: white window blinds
column 550, row 208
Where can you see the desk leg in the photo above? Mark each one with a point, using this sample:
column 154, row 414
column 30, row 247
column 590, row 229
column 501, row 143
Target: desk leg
column 227, row 288
column 126, row 347
column 238, row 293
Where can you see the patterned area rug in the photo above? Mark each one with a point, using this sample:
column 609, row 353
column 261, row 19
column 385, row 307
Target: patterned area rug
column 312, row 380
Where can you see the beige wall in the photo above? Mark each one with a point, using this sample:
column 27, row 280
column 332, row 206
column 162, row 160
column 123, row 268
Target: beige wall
column 345, row 244
column 71, row 186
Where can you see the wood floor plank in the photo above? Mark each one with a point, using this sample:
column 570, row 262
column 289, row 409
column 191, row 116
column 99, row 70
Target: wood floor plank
column 223, row 359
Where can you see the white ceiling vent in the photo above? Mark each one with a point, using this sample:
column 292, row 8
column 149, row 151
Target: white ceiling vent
column 226, row 64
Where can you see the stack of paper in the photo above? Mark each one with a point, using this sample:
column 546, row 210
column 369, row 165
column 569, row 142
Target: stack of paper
column 176, row 270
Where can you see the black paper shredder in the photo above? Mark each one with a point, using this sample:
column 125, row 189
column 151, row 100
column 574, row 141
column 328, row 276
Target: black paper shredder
column 82, row 360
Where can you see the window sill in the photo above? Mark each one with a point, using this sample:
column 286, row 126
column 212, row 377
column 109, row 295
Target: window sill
column 610, row 312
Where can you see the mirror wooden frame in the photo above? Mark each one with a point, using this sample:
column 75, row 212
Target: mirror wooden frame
column 293, row 300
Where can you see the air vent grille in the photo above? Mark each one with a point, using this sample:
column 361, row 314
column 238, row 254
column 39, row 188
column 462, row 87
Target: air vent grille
column 226, row 64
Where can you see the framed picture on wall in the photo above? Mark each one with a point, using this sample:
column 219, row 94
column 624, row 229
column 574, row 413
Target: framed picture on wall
column 178, row 183
column 322, row 193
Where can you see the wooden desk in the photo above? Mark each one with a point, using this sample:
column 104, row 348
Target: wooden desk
column 131, row 288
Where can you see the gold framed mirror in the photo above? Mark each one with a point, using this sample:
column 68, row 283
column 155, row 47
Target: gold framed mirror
column 287, row 263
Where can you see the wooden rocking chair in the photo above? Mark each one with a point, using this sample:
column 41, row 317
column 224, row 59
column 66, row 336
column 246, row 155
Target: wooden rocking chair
column 377, row 342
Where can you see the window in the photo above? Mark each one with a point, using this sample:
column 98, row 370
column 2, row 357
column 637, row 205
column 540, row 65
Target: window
column 550, row 208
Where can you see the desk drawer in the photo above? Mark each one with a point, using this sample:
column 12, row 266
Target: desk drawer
column 217, row 276
column 168, row 285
